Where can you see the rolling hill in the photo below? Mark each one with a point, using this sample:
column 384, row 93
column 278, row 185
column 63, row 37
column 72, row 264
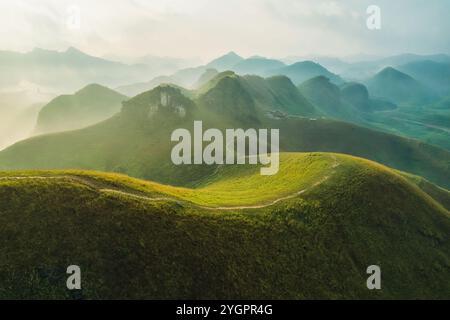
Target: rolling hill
column 326, row 96
column 269, row 94
column 399, row 88
column 357, row 95
column 92, row 104
column 137, row 140
column 309, row 232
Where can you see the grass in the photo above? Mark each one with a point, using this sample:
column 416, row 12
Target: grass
column 315, row 245
column 238, row 185
column 229, row 186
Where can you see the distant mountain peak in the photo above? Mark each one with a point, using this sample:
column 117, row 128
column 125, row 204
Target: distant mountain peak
column 389, row 70
column 392, row 73
column 226, row 61
column 232, row 54
column 93, row 87
column 73, row 50
column 399, row 88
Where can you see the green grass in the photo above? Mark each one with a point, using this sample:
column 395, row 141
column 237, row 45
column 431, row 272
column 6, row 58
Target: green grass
column 315, row 245
column 233, row 186
column 88, row 106
column 240, row 185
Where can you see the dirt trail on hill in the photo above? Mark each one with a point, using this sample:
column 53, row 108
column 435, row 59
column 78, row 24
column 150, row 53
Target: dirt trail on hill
column 261, row 206
column 100, row 187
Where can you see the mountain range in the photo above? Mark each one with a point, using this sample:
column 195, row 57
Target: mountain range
column 135, row 141
column 65, row 71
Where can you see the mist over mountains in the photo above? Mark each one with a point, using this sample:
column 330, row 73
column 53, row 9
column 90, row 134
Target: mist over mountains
column 408, row 81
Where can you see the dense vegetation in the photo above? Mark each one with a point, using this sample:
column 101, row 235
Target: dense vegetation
column 317, row 244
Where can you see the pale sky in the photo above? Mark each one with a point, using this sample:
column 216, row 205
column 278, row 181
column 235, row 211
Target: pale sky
column 208, row 28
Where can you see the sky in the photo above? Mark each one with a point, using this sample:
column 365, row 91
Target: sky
column 208, row 28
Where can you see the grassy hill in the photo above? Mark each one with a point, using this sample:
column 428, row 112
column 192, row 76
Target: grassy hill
column 90, row 105
column 137, row 140
column 357, row 95
column 276, row 93
column 326, row 96
column 308, row 233
column 280, row 94
column 399, row 88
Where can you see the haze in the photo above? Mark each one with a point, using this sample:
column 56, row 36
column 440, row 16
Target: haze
column 207, row 28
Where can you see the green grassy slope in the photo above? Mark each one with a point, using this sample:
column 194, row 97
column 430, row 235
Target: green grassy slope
column 269, row 94
column 352, row 213
column 279, row 93
column 90, row 105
